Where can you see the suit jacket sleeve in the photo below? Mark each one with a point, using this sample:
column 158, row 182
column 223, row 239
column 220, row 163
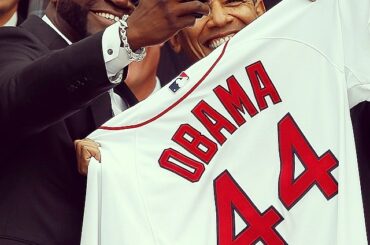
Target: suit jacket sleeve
column 39, row 87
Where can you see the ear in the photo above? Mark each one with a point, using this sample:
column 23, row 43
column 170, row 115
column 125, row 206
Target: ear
column 260, row 7
column 175, row 43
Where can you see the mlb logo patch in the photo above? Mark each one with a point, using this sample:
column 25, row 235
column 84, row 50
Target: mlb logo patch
column 178, row 82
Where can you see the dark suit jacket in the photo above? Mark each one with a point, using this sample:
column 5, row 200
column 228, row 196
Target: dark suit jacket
column 360, row 115
column 22, row 10
column 20, row 19
column 50, row 95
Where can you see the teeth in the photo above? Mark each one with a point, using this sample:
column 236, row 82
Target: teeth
column 108, row 16
column 215, row 43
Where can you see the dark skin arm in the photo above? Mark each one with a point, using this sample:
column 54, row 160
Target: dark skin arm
column 155, row 21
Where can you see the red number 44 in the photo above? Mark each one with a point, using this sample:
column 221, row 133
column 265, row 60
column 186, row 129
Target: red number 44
column 230, row 198
column 317, row 169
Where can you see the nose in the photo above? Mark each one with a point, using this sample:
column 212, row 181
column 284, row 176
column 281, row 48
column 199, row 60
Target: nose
column 219, row 16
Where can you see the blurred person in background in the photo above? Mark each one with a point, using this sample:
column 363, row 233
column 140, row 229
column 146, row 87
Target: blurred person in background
column 37, row 7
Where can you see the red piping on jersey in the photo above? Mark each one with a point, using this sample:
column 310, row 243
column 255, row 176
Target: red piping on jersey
column 174, row 104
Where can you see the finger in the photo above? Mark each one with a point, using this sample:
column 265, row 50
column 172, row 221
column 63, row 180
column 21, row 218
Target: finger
column 83, row 160
column 90, row 140
column 79, row 144
column 87, row 142
column 78, row 148
column 76, row 143
column 203, row 1
column 86, row 154
column 82, row 169
column 192, row 7
column 95, row 153
column 186, row 21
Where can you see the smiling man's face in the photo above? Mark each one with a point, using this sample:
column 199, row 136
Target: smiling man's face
column 226, row 18
column 88, row 17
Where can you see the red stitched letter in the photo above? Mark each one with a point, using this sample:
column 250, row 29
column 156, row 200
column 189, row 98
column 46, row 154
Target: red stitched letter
column 262, row 85
column 213, row 121
column 235, row 100
column 317, row 169
column 260, row 226
column 168, row 161
column 194, row 144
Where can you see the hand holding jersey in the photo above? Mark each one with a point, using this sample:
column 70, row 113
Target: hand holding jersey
column 85, row 150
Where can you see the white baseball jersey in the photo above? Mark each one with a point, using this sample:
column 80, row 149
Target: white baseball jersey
column 251, row 145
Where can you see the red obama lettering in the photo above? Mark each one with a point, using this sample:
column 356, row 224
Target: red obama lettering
column 196, row 143
column 262, row 85
column 213, row 121
column 235, row 100
column 181, row 165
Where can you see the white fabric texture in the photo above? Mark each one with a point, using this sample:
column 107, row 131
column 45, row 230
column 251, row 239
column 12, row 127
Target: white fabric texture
column 194, row 165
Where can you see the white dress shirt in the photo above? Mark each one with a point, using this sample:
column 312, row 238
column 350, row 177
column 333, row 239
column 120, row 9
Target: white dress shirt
column 13, row 20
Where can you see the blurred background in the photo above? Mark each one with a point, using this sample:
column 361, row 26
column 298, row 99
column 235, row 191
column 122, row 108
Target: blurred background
column 35, row 7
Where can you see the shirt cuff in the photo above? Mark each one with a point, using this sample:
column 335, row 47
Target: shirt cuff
column 115, row 57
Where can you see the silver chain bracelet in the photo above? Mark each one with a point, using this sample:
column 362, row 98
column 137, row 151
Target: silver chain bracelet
column 139, row 55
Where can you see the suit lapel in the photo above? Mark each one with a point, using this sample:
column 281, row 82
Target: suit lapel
column 100, row 108
column 44, row 33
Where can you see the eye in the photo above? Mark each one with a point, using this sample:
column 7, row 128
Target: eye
column 232, row 3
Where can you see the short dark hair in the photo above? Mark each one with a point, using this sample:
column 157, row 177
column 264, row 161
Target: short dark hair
column 270, row 3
